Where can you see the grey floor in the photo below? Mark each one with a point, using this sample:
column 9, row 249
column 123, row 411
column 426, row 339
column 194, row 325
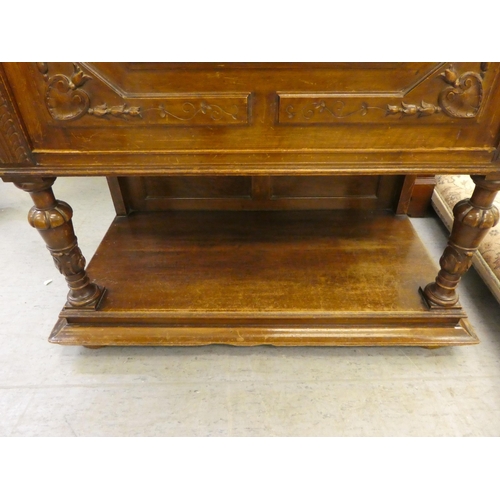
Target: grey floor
column 47, row 390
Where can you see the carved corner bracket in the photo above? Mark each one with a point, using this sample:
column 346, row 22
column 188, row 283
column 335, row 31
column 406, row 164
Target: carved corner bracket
column 67, row 100
column 461, row 99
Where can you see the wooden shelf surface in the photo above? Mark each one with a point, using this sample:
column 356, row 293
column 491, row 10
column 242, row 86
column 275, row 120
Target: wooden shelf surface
column 245, row 278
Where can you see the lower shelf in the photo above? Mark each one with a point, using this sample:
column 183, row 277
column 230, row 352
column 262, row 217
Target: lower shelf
column 249, row 278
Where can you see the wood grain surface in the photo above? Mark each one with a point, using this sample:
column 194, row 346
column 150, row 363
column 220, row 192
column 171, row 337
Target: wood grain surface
column 262, row 277
column 256, row 201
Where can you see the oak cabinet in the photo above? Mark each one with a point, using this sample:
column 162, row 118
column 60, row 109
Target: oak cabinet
column 256, row 203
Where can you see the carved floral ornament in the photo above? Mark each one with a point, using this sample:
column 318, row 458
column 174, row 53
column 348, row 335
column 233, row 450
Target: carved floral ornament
column 462, row 98
column 66, row 99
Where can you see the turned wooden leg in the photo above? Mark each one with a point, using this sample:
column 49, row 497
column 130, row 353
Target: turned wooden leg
column 474, row 217
column 52, row 218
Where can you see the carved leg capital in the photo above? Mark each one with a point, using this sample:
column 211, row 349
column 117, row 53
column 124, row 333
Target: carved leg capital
column 52, row 218
column 474, row 217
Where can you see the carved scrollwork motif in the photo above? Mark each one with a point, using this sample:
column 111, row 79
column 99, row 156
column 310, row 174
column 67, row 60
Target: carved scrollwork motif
column 67, row 100
column 213, row 111
column 464, row 97
column 64, row 98
column 337, row 110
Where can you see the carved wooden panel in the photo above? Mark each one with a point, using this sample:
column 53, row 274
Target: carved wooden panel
column 460, row 98
column 67, row 97
column 286, row 119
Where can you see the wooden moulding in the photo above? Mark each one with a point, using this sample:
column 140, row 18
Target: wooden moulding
column 93, row 336
column 247, row 278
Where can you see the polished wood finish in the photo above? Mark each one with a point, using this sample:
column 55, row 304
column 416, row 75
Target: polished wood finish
column 310, row 277
column 474, row 217
column 257, row 193
column 130, row 130
column 416, row 195
column 52, row 219
column 222, row 163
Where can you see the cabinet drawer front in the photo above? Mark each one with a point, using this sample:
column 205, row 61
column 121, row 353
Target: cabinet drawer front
column 283, row 109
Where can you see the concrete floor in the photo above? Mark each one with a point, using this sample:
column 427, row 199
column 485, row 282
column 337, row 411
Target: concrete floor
column 47, row 390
